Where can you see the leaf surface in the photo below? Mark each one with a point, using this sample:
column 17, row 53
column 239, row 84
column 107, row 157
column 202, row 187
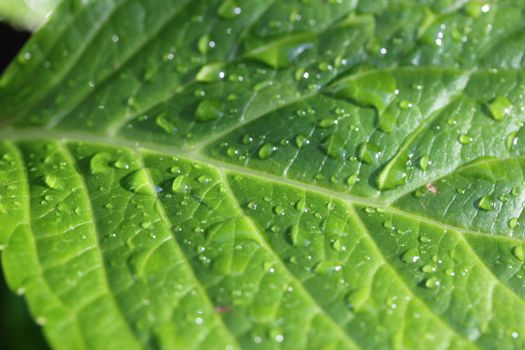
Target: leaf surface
column 257, row 174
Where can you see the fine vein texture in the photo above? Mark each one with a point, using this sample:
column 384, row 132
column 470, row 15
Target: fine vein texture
column 303, row 174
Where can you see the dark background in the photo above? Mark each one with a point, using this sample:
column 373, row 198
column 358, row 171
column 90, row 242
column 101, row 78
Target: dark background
column 17, row 331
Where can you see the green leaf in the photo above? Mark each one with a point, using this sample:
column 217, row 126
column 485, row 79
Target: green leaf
column 254, row 174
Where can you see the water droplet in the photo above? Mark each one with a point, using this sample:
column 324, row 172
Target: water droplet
column 99, row 163
column 513, row 223
column 300, row 206
column 325, row 267
column 367, row 152
column 387, row 122
column 500, row 108
column 166, row 125
column 179, row 184
column 337, row 245
column 229, row 9
column 432, row 283
column 300, row 140
column 410, row 256
column 334, row 146
column 211, row 72
column 405, row 104
column 209, row 110
column 282, row 52
column 204, row 43
column 137, row 182
column 203, row 179
column 511, row 140
column 465, row 139
column 518, row 253
column 357, row 298
column 486, row 203
column 293, row 234
column 266, row 151
column 352, row 179
column 53, row 182
column 278, row 210
column 326, row 123
column 121, row 163
column 424, row 162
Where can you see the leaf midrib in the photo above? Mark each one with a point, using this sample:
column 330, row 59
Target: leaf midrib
column 35, row 134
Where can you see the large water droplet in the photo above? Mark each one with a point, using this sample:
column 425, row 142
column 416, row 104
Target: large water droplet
column 266, row 151
column 334, row 146
column 209, row 110
column 53, row 182
column 367, row 152
column 99, row 163
column 229, row 9
column 410, row 256
column 486, row 203
column 518, row 253
column 500, row 108
column 137, row 182
column 210, row 72
column 357, row 298
column 282, row 52
column 166, row 125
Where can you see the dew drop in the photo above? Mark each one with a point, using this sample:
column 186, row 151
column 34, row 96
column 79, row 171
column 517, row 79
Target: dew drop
column 352, row 179
column 137, row 182
column 500, row 108
column 486, row 203
column 424, row 162
column 513, row 223
column 99, row 163
column 208, row 110
column 53, row 182
column 511, row 140
column 518, row 253
column 410, row 256
column 465, row 139
column 357, row 298
column 229, row 9
column 266, row 151
column 334, row 146
column 367, row 152
column 300, row 141
column 162, row 121
column 432, row 283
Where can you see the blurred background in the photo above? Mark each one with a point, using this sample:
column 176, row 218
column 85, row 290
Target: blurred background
column 17, row 330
